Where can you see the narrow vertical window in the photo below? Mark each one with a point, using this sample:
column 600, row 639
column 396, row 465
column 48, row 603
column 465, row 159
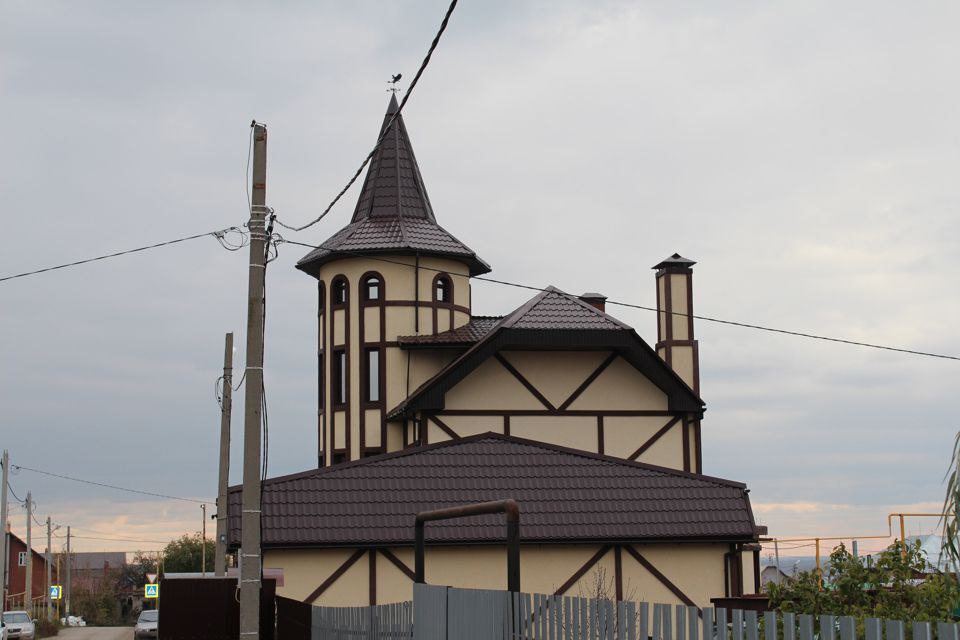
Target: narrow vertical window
column 340, row 291
column 339, row 390
column 373, row 375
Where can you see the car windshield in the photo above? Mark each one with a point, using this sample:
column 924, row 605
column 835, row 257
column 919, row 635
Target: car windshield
column 17, row 617
column 149, row 616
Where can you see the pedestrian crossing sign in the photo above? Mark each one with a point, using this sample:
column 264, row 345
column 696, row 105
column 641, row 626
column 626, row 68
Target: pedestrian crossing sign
column 56, row 592
column 151, row 591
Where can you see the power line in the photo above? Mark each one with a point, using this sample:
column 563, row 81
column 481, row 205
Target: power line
column 744, row 325
column 217, row 234
column 416, row 78
column 119, row 539
column 111, row 486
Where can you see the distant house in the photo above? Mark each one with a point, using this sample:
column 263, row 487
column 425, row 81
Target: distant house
column 17, row 574
column 88, row 569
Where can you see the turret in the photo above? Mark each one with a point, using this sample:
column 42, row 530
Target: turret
column 393, row 271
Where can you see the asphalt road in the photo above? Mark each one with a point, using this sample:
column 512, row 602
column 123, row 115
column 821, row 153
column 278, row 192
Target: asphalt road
column 96, row 633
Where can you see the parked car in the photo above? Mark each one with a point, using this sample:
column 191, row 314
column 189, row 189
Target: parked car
column 19, row 626
column 146, row 625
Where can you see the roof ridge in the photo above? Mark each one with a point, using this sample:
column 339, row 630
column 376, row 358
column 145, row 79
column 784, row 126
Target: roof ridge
column 492, row 435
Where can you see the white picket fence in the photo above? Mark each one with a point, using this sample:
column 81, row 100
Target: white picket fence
column 446, row 613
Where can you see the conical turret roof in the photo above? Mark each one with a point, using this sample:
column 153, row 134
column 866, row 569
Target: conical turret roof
column 393, row 213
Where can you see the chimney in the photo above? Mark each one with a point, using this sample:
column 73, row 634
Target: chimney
column 595, row 300
column 675, row 341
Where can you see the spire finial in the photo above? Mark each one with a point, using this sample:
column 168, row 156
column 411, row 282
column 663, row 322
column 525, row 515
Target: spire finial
column 393, row 88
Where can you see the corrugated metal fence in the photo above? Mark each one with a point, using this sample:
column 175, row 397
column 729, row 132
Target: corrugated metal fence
column 446, row 613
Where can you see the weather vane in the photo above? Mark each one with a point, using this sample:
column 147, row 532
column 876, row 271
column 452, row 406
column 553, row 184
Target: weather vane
column 393, row 88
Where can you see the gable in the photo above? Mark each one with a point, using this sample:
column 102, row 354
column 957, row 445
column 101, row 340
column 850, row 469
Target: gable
column 491, row 385
column 621, row 387
column 556, row 374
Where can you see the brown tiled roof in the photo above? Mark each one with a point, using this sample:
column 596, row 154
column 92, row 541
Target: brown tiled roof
column 565, row 496
column 393, row 213
column 558, row 320
column 554, row 309
column 468, row 334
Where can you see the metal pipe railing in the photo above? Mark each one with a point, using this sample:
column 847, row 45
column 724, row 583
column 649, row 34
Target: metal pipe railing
column 509, row 507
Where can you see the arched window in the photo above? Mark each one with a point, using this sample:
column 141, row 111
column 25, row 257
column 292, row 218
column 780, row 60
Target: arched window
column 443, row 289
column 339, row 290
column 372, row 288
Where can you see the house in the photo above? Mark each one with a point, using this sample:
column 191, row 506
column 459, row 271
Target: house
column 557, row 404
column 17, row 574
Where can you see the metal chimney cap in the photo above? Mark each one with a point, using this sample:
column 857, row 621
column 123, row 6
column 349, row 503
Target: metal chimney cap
column 676, row 260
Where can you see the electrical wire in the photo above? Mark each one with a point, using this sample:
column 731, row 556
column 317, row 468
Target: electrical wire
column 413, row 83
column 13, row 493
column 118, row 539
column 733, row 323
column 111, row 486
column 217, row 234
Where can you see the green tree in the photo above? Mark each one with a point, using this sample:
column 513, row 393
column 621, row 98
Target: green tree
column 184, row 554
column 951, row 512
column 892, row 586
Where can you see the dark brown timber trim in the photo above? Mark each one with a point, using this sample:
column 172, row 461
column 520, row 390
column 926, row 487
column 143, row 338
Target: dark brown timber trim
column 398, row 563
column 586, row 383
column 373, row 576
column 600, row 435
column 696, row 440
column 686, row 443
column 342, row 569
column 653, row 439
column 444, row 427
column 589, row 564
column 623, row 413
column 526, row 383
column 618, row 571
column 664, row 580
column 506, row 425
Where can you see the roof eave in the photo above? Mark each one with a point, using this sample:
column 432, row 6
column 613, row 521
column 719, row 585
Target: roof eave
column 311, row 266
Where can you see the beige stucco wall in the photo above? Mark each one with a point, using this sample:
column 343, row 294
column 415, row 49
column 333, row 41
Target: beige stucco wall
column 624, row 435
column 621, row 386
column 696, row 569
column 556, row 374
column 490, row 381
column 577, row 432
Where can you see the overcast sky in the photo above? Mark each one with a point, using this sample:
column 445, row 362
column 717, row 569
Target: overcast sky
column 804, row 153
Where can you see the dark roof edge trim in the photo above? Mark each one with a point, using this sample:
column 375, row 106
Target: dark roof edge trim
column 498, row 436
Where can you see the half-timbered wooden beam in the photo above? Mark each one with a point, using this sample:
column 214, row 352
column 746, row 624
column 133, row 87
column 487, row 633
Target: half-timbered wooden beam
column 653, row 439
column 579, row 573
column 342, row 569
column 526, row 383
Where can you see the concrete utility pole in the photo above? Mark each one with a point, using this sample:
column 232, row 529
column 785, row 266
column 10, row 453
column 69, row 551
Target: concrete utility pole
column 250, row 560
column 28, row 590
column 3, row 524
column 220, row 561
column 203, row 542
column 69, row 564
column 46, row 598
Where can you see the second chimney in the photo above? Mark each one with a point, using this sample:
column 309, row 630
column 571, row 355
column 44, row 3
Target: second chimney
column 675, row 341
column 595, row 300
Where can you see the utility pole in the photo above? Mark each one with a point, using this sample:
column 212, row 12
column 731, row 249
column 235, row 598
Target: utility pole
column 3, row 524
column 69, row 588
column 28, row 590
column 46, row 599
column 203, row 542
column 250, row 560
column 220, row 560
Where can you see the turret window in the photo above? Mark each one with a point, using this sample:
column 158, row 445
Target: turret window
column 339, row 390
column 339, row 291
column 372, row 288
column 443, row 289
column 373, row 375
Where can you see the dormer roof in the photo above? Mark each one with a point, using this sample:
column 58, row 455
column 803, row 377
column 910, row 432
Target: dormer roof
column 393, row 213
